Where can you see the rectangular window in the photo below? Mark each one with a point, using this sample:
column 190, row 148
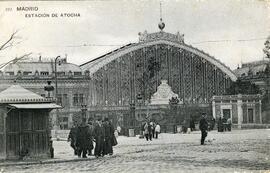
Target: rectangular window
column 63, row 121
column 77, row 73
column 81, row 98
column 10, row 73
column 61, row 73
column 65, row 100
column 44, row 73
column 59, row 99
column 75, row 99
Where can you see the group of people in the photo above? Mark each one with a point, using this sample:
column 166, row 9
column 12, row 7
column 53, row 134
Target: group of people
column 224, row 124
column 82, row 138
column 150, row 130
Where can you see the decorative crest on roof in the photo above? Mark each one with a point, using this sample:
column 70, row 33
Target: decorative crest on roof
column 145, row 37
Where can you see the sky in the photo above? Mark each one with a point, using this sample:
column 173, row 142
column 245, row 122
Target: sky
column 238, row 28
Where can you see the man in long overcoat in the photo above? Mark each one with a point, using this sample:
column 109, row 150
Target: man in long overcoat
column 72, row 138
column 99, row 136
column 203, row 127
column 109, row 132
column 90, row 139
column 82, row 139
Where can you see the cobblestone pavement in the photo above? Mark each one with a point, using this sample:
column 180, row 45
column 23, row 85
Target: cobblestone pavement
column 237, row 151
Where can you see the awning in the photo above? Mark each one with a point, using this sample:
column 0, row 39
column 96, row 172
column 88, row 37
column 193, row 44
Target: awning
column 36, row 106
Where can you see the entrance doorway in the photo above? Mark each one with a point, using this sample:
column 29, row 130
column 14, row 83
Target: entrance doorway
column 250, row 115
column 226, row 113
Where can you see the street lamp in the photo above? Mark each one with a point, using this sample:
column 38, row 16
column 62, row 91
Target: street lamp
column 56, row 89
column 55, row 76
column 173, row 102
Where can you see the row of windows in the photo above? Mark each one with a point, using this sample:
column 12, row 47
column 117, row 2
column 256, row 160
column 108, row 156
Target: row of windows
column 42, row 73
column 77, row 100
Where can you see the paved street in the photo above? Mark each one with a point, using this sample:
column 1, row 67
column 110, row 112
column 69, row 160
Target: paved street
column 237, row 151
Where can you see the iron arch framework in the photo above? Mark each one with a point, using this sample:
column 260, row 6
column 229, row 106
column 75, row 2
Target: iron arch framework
column 139, row 68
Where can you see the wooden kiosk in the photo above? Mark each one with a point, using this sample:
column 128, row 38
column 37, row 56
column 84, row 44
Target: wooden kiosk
column 24, row 123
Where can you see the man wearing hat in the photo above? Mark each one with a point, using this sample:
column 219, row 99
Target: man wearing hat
column 108, row 136
column 203, row 127
column 99, row 138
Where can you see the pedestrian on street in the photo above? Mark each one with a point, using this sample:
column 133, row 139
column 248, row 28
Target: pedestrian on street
column 90, row 138
column 99, row 138
column 146, row 131
column 150, row 130
column 203, row 127
column 108, row 136
column 224, row 122
column 82, row 139
column 192, row 124
column 72, row 137
column 212, row 124
column 157, row 130
column 220, row 125
column 184, row 126
column 153, row 126
column 229, row 124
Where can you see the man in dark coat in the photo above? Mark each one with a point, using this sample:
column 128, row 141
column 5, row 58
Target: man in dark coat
column 108, row 136
column 220, row 125
column 90, row 139
column 192, row 124
column 203, row 127
column 224, row 122
column 72, row 138
column 82, row 139
column 99, row 135
column 150, row 129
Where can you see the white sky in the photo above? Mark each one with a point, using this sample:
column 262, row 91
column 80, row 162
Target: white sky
column 118, row 22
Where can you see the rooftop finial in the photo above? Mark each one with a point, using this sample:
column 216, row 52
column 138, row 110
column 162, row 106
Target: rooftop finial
column 161, row 24
column 160, row 10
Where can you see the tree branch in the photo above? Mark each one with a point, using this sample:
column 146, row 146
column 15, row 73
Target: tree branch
column 15, row 60
column 10, row 41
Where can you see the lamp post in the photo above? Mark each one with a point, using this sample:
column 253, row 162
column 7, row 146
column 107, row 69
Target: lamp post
column 56, row 89
column 131, row 117
column 55, row 76
column 173, row 102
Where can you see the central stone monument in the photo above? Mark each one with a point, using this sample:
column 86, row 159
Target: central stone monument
column 163, row 95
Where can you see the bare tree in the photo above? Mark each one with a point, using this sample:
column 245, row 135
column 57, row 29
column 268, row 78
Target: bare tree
column 13, row 40
column 25, row 56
